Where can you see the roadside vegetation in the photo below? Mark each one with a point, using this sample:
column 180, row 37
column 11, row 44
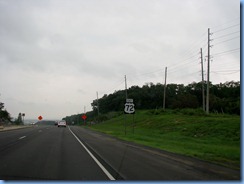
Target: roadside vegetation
column 223, row 98
column 6, row 119
column 184, row 127
column 4, row 115
column 214, row 137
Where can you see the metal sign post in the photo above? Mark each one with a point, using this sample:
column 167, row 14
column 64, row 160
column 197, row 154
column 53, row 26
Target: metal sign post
column 125, row 124
column 133, row 123
column 84, row 118
column 129, row 109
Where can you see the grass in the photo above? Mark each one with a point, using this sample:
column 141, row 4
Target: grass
column 214, row 138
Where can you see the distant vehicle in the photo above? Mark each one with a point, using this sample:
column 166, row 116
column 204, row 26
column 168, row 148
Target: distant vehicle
column 56, row 123
column 62, row 123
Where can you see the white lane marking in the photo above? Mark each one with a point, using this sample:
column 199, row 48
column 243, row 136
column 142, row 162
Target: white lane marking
column 94, row 158
column 22, row 137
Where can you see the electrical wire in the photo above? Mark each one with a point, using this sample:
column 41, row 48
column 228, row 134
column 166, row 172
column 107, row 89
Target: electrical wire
column 230, row 21
column 173, row 68
column 112, row 89
column 222, row 36
column 226, row 28
column 226, row 52
column 190, row 56
column 226, row 72
column 226, row 40
column 135, row 75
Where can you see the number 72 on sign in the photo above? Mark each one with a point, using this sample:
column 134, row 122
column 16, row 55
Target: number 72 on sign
column 129, row 108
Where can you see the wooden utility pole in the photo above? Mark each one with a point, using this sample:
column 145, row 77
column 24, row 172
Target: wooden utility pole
column 203, row 93
column 165, row 87
column 208, row 73
column 125, row 100
column 125, row 88
column 97, row 105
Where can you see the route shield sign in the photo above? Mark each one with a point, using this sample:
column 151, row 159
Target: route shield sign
column 129, row 107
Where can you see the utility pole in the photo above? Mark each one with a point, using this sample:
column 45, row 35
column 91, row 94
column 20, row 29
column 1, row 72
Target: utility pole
column 208, row 73
column 125, row 100
column 165, row 88
column 125, row 88
column 23, row 115
column 77, row 118
column 84, row 114
column 97, row 105
column 203, row 93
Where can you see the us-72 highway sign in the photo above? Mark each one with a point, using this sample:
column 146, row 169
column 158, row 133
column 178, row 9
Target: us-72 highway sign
column 129, row 108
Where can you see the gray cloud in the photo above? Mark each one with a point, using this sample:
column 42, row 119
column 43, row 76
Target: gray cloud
column 56, row 53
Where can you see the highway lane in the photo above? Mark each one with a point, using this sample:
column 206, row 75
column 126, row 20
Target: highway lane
column 45, row 153
column 52, row 153
column 134, row 162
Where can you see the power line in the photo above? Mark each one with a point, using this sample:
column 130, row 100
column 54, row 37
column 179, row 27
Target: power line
column 114, row 87
column 190, row 74
column 155, row 71
column 226, row 28
column 226, row 52
column 194, row 45
column 142, row 78
column 230, row 21
column 173, row 68
column 222, row 36
column 226, row 66
column 190, row 52
column 226, row 40
column 226, row 72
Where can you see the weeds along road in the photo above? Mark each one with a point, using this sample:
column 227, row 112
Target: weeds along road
column 76, row 153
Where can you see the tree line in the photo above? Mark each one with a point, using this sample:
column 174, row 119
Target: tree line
column 223, row 98
column 6, row 118
column 4, row 114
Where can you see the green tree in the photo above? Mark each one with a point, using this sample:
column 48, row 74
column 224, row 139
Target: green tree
column 224, row 97
column 4, row 114
column 19, row 120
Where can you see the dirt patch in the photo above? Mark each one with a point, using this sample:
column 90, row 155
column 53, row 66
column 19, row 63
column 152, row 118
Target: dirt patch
column 14, row 127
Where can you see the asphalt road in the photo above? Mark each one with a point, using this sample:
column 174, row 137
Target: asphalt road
column 76, row 153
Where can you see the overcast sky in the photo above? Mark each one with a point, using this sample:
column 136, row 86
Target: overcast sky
column 56, row 54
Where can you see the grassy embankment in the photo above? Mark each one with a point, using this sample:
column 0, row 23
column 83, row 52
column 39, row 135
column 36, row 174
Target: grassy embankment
column 215, row 138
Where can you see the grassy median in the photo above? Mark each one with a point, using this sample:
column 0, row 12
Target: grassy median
column 214, row 138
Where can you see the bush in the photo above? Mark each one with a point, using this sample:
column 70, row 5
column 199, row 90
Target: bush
column 192, row 112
